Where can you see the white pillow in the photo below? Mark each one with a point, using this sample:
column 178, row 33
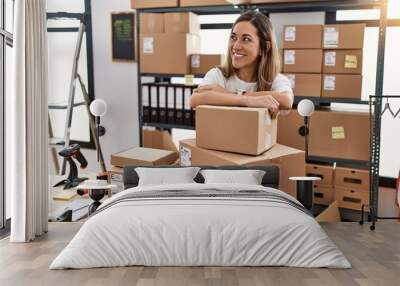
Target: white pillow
column 248, row 177
column 165, row 176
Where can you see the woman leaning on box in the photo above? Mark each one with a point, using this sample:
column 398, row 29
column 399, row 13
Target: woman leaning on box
column 250, row 77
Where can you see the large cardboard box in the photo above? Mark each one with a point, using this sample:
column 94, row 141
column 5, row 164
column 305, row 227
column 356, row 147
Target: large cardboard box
column 305, row 84
column 339, row 134
column 352, row 178
column 235, row 129
column 302, row 37
column 144, row 157
column 342, row 62
column 291, row 161
column 302, row 61
column 151, row 23
column 167, row 53
column 289, row 130
column 180, row 22
column 192, row 3
column 350, row 198
column 139, row 4
column 341, row 86
column 344, row 36
column 201, row 64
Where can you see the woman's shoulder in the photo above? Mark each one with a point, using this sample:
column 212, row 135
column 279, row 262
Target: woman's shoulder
column 214, row 76
column 281, row 83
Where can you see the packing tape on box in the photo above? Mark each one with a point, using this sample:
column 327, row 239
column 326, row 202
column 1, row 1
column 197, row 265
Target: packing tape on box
column 338, row 132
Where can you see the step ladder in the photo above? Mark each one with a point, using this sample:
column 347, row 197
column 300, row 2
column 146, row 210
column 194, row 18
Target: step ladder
column 69, row 106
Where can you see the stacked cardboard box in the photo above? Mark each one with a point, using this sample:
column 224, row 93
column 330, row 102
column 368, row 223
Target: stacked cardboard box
column 139, row 4
column 323, row 190
column 202, row 63
column 167, row 41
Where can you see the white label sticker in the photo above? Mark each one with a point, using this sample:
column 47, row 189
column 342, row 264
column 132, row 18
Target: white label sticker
column 292, row 79
column 330, row 59
column 290, row 56
column 329, row 82
column 290, row 34
column 331, row 37
column 186, row 156
column 195, row 61
column 148, row 45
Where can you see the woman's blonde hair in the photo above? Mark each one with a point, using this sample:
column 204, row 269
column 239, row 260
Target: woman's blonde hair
column 269, row 63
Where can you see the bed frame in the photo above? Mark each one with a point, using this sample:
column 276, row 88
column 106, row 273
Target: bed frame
column 270, row 179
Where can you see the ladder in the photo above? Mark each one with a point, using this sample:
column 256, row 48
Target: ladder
column 65, row 140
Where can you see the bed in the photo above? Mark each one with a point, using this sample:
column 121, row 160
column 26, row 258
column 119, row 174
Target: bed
column 201, row 224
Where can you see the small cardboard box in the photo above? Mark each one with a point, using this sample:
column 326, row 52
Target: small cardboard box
column 151, row 23
column 322, row 171
column 340, row 134
column 201, row 64
column 302, row 61
column 289, row 130
column 352, row 178
column 323, row 195
column 139, row 4
column 167, row 53
column 343, row 36
column 184, row 23
column 302, row 37
column 235, row 129
column 341, row 86
column 342, row 62
column 350, row 198
column 290, row 161
column 158, row 139
column 144, row 157
column 305, row 84
column 193, row 3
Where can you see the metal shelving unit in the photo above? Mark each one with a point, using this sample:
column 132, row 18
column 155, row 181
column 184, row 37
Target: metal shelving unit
column 319, row 6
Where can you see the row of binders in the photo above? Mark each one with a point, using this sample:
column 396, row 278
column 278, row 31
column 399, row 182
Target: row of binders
column 167, row 103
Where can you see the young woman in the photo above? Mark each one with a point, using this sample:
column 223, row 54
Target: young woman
column 250, row 77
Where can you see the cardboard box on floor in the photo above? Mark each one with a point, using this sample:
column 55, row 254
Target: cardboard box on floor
column 291, row 161
column 305, row 84
column 342, row 62
column 144, row 157
column 341, row 86
column 343, row 36
column 167, row 53
column 201, row 64
column 151, row 23
column 289, row 126
column 302, row 60
column 192, row 3
column 137, row 4
column 302, row 36
column 181, row 23
column 235, row 129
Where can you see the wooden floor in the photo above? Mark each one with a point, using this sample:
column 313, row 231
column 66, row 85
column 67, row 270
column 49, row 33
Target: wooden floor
column 375, row 257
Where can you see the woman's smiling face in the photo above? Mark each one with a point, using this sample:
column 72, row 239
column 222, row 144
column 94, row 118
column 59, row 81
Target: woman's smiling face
column 244, row 45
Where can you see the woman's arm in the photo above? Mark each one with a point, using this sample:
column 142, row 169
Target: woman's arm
column 284, row 98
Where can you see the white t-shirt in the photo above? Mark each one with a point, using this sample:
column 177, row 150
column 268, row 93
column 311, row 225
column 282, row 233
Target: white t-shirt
column 235, row 85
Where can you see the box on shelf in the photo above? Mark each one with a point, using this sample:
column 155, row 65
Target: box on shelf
column 201, row 64
column 289, row 126
column 139, row 4
column 291, row 161
column 235, row 129
column 238, row 2
column 151, row 23
column 181, row 22
column 305, row 84
column 350, row 198
column 342, row 62
column 302, row 36
column 341, row 86
column 339, row 134
column 143, row 156
column 343, row 36
column 352, row 178
column 302, row 61
column 323, row 195
column 322, row 171
column 192, row 3
column 167, row 53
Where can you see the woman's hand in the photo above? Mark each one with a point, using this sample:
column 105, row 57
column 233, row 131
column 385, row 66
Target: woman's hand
column 264, row 101
column 212, row 87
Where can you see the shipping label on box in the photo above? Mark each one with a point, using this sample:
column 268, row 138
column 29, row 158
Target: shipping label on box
column 330, row 59
column 292, row 79
column 331, row 37
column 289, row 57
column 148, row 45
column 350, row 62
column 338, row 132
column 186, row 156
column 290, row 34
column 329, row 82
column 195, row 61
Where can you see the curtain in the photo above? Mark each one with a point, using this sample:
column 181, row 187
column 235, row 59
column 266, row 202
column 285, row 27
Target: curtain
column 26, row 141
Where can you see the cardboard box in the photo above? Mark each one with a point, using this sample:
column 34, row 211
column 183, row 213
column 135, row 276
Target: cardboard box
column 193, row 3
column 139, row 4
column 235, row 129
column 349, row 198
column 330, row 214
column 339, row 134
column 341, row 86
column 305, row 84
column 291, row 161
column 302, row 37
column 342, row 62
column 151, row 23
column 289, row 127
column 144, row 157
column 158, row 139
column 352, row 178
column 343, row 36
column 324, row 172
column 302, row 61
column 184, row 23
column 167, row 53
column 238, row 2
column 323, row 195
column 201, row 64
